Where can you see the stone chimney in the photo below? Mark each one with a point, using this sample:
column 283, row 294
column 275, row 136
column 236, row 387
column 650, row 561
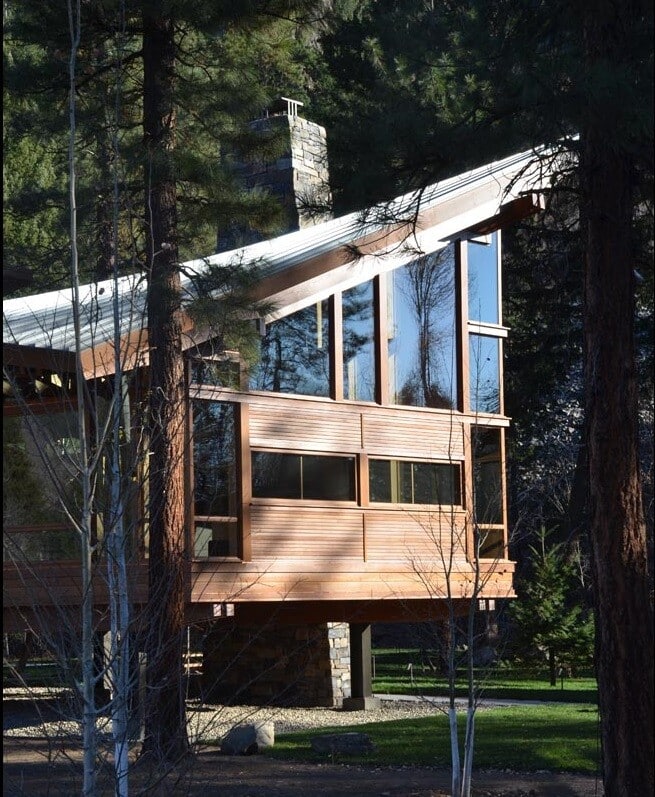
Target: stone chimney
column 299, row 177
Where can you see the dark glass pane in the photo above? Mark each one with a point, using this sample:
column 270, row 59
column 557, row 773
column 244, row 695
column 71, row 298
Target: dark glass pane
column 41, row 546
column 414, row 482
column 328, row 478
column 436, row 484
column 358, row 343
column 307, row 476
column 216, row 538
column 421, row 331
column 295, row 354
column 276, row 475
column 214, row 458
column 483, row 281
column 484, row 362
column 449, row 490
column 379, row 471
column 405, row 477
column 218, row 373
column 487, row 476
column 425, row 487
column 40, row 466
column 492, row 544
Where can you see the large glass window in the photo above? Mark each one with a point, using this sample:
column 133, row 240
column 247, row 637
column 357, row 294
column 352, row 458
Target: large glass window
column 487, row 475
column 215, row 479
column 483, row 282
column 307, row 476
column 359, row 343
column 488, row 491
column 400, row 482
column 484, row 366
column 41, row 462
column 421, row 332
column 295, row 354
column 214, row 458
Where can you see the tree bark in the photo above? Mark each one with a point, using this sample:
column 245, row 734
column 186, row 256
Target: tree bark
column 165, row 733
column 624, row 620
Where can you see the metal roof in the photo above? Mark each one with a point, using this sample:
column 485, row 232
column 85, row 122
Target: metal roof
column 45, row 321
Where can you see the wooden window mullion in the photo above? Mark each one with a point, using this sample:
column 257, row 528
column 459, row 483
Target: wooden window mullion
column 461, row 315
column 336, row 347
column 381, row 340
column 244, row 482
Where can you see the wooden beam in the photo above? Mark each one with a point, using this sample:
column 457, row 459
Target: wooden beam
column 526, row 205
column 291, row 612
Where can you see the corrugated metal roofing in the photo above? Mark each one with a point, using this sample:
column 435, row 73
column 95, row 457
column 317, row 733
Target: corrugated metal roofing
column 46, row 320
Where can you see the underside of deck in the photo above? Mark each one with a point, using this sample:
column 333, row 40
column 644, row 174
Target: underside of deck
column 291, row 592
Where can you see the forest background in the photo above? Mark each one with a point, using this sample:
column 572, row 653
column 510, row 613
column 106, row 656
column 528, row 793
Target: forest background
column 409, row 93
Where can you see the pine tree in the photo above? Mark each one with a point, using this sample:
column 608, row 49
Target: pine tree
column 542, row 73
column 548, row 615
column 197, row 74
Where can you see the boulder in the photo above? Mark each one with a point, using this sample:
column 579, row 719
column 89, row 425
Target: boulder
column 248, row 739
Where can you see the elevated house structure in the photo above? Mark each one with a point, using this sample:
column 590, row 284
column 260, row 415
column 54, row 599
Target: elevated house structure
column 353, row 472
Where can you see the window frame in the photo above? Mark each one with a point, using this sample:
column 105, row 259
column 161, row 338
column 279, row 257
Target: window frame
column 436, row 463
column 354, row 502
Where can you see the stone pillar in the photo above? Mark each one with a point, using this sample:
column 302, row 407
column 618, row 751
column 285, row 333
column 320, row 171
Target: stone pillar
column 360, row 668
column 298, row 177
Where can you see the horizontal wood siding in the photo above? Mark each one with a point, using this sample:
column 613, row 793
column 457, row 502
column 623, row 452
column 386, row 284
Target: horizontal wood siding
column 60, row 584
column 284, row 424
column 312, row 424
column 280, row 579
column 212, row 582
column 405, row 537
column 296, row 531
column 413, row 434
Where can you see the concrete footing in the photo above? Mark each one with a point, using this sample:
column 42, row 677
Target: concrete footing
column 361, row 703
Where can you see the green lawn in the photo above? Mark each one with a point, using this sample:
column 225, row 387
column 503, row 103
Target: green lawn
column 41, row 673
column 394, row 675
column 526, row 738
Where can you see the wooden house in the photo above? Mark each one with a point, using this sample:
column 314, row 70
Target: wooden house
column 354, row 473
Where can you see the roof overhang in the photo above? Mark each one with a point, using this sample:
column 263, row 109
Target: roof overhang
column 298, row 269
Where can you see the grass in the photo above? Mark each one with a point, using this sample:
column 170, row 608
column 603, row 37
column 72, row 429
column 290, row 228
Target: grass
column 394, row 675
column 41, row 673
column 561, row 735
column 556, row 737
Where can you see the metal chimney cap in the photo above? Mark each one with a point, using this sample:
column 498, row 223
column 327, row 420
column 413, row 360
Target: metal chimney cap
column 286, row 105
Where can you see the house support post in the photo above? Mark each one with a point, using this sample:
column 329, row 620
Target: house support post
column 361, row 680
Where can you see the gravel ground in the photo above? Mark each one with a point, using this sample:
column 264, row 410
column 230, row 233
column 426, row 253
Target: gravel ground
column 212, row 722
column 43, row 713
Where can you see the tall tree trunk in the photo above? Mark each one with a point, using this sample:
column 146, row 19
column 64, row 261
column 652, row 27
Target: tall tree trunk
column 165, row 733
column 624, row 617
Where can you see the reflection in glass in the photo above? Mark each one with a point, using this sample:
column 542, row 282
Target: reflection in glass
column 41, row 460
column 483, row 281
column 303, row 476
column 487, row 476
column 220, row 372
column 399, row 482
column 484, row 364
column 295, row 354
column 40, row 474
column 421, row 329
column 359, row 343
column 214, row 459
